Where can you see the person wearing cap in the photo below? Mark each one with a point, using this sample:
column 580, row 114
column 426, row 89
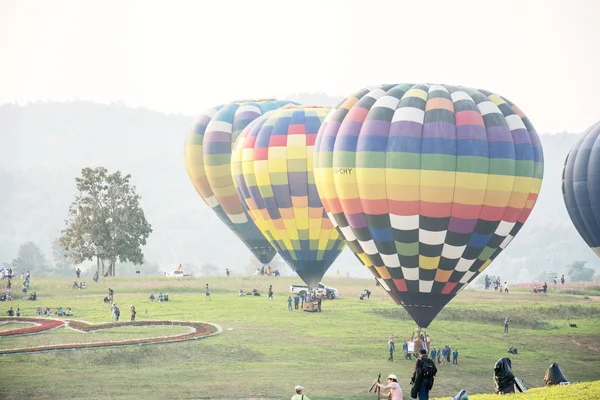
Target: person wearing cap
column 395, row 392
column 299, row 395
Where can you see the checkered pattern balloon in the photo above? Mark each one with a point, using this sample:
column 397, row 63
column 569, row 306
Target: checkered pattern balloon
column 272, row 167
column 581, row 186
column 427, row 184
column 208, row 163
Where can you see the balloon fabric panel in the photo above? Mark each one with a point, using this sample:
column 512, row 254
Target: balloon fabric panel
column 427, row 184
column 272, row 165
column 208, row 163
column 581, row 186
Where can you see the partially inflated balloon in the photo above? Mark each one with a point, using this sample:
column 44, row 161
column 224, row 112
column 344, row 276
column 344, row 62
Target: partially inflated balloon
column 427, row 184
column 208, row 164
column 273, row 170
column 581, row 186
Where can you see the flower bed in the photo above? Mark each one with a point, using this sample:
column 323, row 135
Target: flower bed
column 39, row 325
column 197, row 330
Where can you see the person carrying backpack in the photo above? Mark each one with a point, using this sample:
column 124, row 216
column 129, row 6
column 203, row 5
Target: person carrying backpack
column 423, row 376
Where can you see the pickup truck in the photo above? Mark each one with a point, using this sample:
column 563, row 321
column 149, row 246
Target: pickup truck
column 177, row 274
column 328, row 292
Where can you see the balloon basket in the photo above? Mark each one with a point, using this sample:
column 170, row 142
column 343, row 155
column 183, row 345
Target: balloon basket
column 310, row 306
column 417, row 341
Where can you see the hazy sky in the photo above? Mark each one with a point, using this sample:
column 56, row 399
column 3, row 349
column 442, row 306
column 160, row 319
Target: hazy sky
column 182, row 57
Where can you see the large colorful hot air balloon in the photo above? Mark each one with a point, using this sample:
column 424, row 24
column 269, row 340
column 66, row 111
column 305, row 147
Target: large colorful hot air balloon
column 427, row 184
column 581, row 186
column 208, row 163
column 273, row 170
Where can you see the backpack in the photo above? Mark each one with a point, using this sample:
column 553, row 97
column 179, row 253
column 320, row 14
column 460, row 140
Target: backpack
column 428, row 368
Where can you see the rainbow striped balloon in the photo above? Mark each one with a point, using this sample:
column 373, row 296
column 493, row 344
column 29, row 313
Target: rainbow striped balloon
column 208, row 163
column 427, row 184
column 273, row 173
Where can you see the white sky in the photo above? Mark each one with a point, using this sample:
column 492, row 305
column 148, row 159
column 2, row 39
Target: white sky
column 182, row 57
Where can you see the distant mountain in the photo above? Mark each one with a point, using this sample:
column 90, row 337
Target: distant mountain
column 45, row 145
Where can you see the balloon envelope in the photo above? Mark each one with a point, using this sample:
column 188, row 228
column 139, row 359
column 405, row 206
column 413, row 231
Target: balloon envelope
column 427, row 184
column 208, row 163
column 581, row 186
column 273, row 170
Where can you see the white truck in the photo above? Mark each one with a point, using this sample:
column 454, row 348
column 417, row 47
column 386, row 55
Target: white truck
column 328, row 292
column 178, row 273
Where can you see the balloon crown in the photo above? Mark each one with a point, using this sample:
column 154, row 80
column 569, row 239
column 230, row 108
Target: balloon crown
column 252, row 100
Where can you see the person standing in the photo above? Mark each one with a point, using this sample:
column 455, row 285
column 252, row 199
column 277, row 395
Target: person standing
column 505, row 287
column 289, row 303
column 299, row 395
column 133, row 312
column 391, row 357
column 391, row 341
column 78, row 272
column 206, row 293
column 455, row 357
column 423, row 376
column 227, row 271
column 117, row 313
column 270, row 292
column 296, row 301
column 505, row 325
column 395, row 392
column 562, row 280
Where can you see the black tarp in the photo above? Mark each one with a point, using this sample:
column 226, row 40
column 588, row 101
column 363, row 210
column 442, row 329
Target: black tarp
column 554, row 375
column 504, row 378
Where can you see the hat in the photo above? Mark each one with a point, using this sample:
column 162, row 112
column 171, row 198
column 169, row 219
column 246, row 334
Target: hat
column 298, row 387
column 392, row 376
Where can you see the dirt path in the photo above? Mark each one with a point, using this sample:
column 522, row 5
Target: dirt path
column 595, row 347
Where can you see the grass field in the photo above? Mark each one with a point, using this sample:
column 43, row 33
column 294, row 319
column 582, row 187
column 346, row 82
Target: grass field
column 265, row 350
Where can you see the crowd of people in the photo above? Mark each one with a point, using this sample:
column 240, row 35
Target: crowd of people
column 25, row 288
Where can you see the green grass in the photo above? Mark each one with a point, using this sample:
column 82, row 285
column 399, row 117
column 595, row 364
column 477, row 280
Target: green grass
column 10, row 326
column 580, row 391
column 266, row 350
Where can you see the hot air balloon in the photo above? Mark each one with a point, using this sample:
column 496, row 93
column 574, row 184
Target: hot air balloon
column 427, row 183
column 208, row 163
column 273, row 173
column 581, row 186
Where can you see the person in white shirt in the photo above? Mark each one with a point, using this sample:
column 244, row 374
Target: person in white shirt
column 395, row 392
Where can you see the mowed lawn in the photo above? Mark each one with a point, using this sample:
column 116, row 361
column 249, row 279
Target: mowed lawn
column 265, row 350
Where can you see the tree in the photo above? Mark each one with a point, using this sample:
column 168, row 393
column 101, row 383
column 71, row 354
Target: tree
column 106, row 221
column 30, row 258
column 276, row 263
column 577, row 272
column 208, row 269
column 63, row 261
column 546, row 276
